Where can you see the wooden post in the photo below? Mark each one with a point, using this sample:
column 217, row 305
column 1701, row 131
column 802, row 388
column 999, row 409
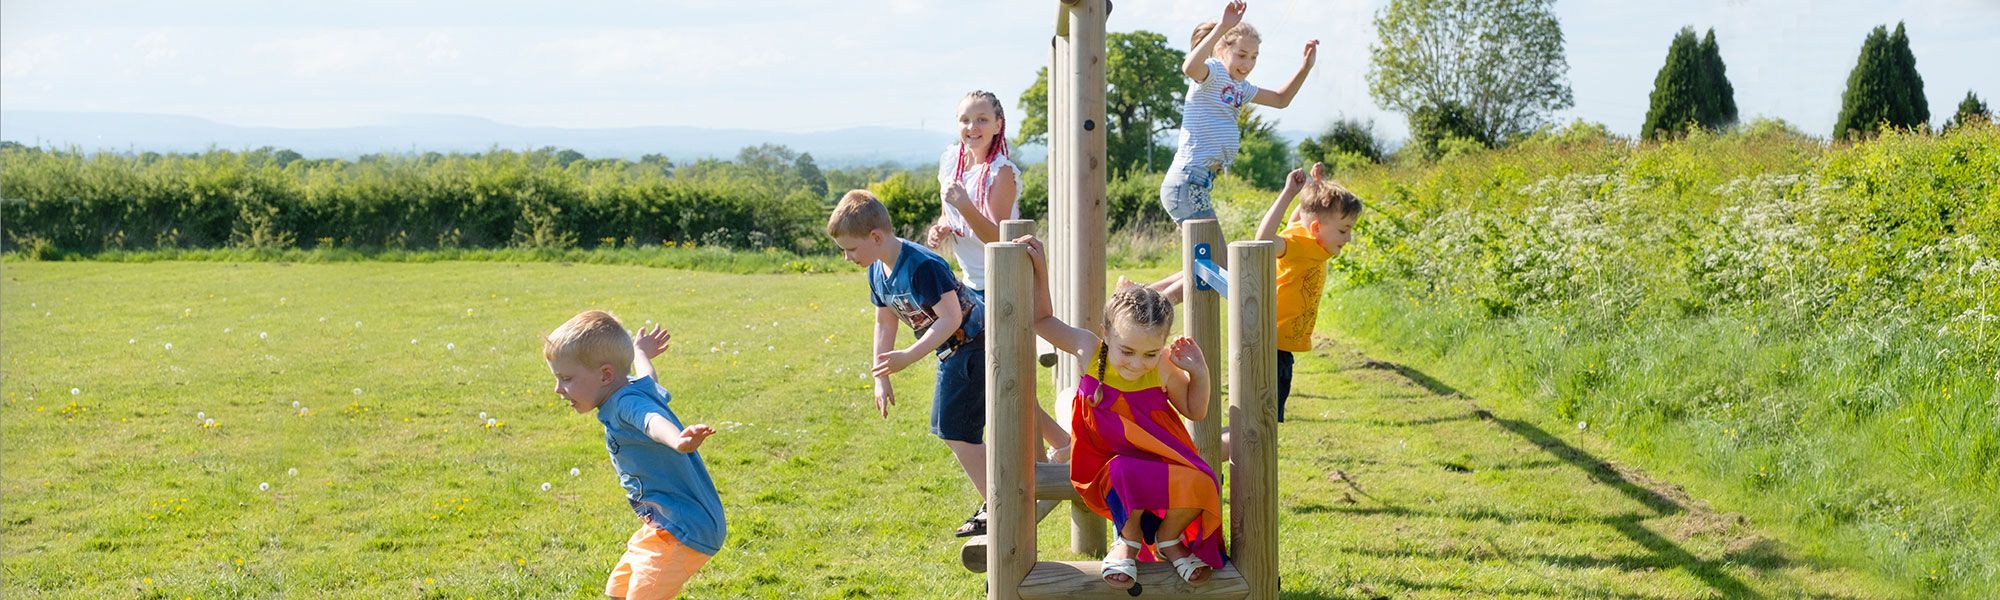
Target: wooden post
column 1253, row 414
column 1081, row 128
column 1202, row 322
column 1010, row 416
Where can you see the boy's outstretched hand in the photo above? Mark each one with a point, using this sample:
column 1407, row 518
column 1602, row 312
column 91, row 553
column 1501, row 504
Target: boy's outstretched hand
column 1312, row 53
column 692, row 437
column 1187, row 355
column 652, row 342
column 888, row 363
column 885, row 396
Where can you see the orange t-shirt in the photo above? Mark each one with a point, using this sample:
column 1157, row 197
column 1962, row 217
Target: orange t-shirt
column 1301, row 277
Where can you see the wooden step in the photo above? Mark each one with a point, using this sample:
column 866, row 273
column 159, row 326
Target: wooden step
column 1052, row 483
column 1081, row 581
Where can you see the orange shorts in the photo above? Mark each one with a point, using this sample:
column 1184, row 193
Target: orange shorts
column 655, row 566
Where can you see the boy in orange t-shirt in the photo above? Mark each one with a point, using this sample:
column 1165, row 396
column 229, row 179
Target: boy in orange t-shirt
column 1315, row 233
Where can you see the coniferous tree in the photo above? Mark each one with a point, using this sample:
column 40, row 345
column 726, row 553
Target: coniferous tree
column 1676, row 99
column 1716, row 88
column 1970, row 109
column 1911, row 109
column 1866, row 101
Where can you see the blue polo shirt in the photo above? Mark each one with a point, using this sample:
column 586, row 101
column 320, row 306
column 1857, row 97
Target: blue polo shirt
column 913, row 288
column 670, row 490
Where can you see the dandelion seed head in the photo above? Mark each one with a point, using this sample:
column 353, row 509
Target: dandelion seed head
column 75, row 391
column 546, row 486
column 573, row 471
column 263, row 487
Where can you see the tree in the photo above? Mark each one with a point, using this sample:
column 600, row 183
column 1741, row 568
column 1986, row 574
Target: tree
column 1909, row 108
column 1715, row 85
column 1677, row 94
column 808, row 173
column 1970, row 109
column 1263, row 159
column 1883, row 88
column 1139, row 103
column 1500, row 60
column 1345, row 135
column 1431, row 126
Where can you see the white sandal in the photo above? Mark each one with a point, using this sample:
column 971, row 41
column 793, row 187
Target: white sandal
column 1185, row 565
column 1129, row 567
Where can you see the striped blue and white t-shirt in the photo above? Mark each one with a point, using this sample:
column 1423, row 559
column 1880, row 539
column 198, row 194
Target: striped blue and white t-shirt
column 1209, row 139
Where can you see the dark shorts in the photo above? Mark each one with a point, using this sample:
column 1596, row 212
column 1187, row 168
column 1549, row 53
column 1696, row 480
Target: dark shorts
column 1284, row 382
column 958, row 406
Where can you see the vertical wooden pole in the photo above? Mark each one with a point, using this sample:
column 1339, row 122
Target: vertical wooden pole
column 1253, row 414
column 1084, row 177
column 1010, row 416
column 1201, row 318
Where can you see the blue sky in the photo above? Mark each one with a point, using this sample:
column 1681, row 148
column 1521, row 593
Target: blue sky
column 810, row 65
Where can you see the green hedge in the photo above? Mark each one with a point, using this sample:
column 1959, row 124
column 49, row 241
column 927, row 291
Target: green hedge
column 73, row 202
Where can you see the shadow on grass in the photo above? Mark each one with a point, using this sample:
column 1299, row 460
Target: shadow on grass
column 1665, row 552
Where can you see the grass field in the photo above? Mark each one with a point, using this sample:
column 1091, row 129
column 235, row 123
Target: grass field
column 387, row 483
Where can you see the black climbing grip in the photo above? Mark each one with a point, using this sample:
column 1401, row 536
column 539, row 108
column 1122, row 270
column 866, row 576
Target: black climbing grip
column 1135, row 589
column 1089, row 124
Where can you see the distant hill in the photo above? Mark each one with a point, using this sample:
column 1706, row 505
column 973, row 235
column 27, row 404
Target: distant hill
column 137, row 132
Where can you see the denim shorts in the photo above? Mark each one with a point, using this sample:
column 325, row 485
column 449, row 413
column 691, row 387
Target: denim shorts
column 1285, row 360
column 1184, row 194
column 958, row 405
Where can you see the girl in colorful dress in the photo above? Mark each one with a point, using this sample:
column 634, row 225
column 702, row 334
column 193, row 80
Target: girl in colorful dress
column 1134, row 462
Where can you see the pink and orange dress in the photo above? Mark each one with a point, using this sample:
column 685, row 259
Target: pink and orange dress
column 1132, row 453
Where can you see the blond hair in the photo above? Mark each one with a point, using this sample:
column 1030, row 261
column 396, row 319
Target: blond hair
column 591, row 338
column 1229, row 38
column 859, row 212
column 1326, row 199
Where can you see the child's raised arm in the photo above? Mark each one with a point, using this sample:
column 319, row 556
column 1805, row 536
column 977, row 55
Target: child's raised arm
column 1195, row 66
column 1071, row 339
column 1188, row 380
column 1283, row 98
column 1274, row 218
column 649, row 343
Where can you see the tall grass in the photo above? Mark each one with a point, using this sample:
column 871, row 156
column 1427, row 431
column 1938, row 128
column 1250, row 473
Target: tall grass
column 1809, row 331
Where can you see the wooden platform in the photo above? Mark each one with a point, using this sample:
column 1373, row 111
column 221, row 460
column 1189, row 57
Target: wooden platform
column 1081, row 580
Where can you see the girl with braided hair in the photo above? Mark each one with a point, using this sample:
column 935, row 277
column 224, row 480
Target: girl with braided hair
column 981, row 188
column 1134, row 462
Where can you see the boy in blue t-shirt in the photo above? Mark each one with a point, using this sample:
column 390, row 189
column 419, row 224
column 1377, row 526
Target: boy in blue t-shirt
column 909, row 283
column 596, row 368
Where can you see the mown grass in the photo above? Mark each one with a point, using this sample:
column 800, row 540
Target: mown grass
column 401, row 491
